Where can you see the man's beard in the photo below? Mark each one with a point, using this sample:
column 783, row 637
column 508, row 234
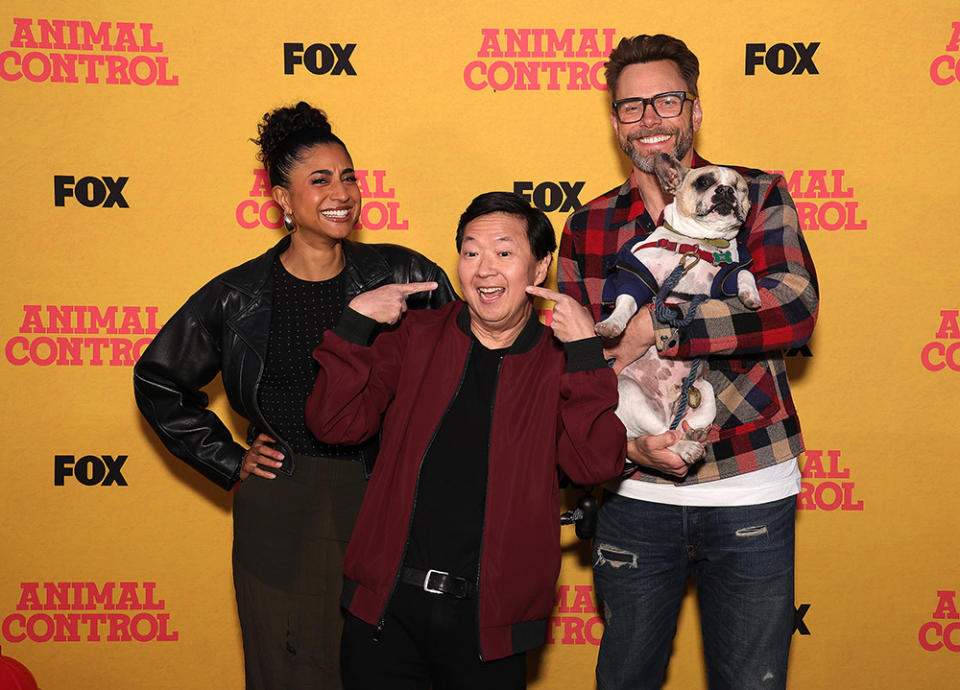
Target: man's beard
column 684, row 142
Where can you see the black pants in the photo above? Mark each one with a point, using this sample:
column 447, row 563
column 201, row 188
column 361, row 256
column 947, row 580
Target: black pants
column 426, row 638
column 290, row 535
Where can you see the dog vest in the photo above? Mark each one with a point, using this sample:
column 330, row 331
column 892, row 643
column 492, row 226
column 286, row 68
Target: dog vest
column 629, row 276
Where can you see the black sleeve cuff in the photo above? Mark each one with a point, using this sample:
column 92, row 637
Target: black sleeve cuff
column 356, row 328
column 585, row 355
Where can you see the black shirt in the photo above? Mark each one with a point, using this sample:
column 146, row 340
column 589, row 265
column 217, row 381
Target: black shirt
column 448, row 513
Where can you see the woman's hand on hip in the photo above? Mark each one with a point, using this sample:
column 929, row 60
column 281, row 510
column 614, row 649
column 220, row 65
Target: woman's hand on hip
column 259, row 456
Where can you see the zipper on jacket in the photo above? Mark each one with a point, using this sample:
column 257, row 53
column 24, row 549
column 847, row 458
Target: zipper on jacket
column 266, row 425
column 416, row 487
column 483, row 521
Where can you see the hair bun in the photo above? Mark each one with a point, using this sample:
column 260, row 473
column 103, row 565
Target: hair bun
column 279, row 125
column 305, row 116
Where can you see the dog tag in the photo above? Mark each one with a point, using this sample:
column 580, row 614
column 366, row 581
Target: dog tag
column 693, row 398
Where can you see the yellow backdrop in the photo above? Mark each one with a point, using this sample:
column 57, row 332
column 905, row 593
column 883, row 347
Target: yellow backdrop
column 128, row 181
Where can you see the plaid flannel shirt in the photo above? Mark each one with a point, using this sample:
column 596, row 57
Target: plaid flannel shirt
column 742, row 348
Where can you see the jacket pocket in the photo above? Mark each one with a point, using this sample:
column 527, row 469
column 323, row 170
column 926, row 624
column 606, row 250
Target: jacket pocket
column 746, row 392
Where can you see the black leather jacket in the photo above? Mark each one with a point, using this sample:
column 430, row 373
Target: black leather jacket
column 223, row 328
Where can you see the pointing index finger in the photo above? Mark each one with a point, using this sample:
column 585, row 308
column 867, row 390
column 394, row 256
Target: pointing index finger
column 413, row 288
column 545, row 293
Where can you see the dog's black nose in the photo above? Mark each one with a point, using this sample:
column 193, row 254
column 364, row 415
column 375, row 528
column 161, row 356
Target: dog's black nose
column 723, row 191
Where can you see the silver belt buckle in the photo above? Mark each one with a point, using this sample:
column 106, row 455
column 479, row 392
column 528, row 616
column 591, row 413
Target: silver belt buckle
column 426, row 581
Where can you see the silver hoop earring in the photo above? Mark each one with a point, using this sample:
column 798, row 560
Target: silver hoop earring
column 287, row 221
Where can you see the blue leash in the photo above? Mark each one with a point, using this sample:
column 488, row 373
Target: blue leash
column 667, row 315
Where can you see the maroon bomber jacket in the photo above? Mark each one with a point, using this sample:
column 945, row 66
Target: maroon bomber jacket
column 554, row 405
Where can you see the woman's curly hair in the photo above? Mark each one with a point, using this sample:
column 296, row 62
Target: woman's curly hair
column 284, row 135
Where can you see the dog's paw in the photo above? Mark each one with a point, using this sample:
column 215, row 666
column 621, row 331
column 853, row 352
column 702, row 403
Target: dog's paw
column 689, row 451
column 697, row 435
column 608, row 329
column 751, row 300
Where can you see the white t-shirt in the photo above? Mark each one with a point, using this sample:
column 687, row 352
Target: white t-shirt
column 753, row 488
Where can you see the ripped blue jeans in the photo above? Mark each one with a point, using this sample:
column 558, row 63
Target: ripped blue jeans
column 742, row 559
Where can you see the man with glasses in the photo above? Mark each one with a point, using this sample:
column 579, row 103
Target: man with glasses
column 728, row 520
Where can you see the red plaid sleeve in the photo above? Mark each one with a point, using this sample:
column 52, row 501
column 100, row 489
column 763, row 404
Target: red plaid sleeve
column 591, row 238
column 569, row 275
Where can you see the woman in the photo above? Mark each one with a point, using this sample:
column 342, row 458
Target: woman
column 451, row 571
column 256, row 325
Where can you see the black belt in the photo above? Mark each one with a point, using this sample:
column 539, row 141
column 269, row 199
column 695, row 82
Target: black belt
column 437, row 582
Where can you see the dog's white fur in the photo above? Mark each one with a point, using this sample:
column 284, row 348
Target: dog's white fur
column 703, row 209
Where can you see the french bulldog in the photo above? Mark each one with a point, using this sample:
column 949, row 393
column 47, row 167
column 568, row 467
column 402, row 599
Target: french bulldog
column 699, row 232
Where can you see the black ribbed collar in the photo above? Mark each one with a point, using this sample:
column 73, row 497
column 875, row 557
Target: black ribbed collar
column 525, row 341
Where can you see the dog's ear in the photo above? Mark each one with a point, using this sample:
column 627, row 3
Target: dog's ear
column 669, row 171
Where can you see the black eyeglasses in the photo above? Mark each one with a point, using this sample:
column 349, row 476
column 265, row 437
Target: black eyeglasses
column 665, row 105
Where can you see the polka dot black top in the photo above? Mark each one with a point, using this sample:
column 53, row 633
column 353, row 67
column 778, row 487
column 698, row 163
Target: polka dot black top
column 302, row 311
